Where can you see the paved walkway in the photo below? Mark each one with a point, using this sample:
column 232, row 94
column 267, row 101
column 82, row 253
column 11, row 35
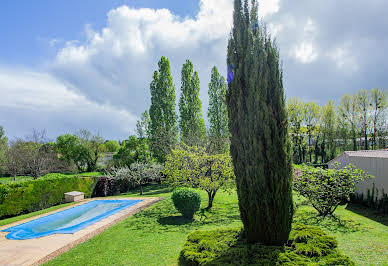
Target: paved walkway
column 39, row 250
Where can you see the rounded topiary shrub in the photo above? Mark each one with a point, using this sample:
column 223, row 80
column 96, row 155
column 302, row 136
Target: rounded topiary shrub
column 186, row 201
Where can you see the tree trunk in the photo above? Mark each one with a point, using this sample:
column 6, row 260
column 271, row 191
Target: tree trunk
column 211, row 196
column 141, row 190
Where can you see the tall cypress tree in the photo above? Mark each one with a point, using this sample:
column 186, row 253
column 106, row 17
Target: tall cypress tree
column 218, row 113
column 163, row 126
column 191, row 123
column 258, row 124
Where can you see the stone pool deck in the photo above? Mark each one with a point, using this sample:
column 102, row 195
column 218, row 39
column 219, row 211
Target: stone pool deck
column 40, row 250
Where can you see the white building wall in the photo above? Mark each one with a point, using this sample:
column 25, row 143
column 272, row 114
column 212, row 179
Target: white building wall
column 378, row 167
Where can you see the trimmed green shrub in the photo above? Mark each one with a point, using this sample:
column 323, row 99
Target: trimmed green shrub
column 308, row 245
column 28, row 196
column 186, row 201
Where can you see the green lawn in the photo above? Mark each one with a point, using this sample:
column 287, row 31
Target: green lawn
column 156, row 235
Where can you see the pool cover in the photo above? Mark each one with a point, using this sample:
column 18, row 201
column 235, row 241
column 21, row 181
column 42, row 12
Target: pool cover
column 68, row 221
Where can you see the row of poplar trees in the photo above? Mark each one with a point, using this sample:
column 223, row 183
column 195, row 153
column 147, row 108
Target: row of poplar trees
column 165, row 129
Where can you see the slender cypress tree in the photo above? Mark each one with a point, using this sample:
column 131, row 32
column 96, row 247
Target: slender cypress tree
column 218, row 113
column 191, row 123
column 163, row 118
column 258, row 124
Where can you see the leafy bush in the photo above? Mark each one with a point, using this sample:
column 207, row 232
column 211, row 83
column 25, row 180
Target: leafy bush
column 186, row 201
column 27, row 196
column 326, row 189
column 308, row 245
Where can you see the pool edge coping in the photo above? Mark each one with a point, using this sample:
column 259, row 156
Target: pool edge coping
column 145, row 203
column 69, row 246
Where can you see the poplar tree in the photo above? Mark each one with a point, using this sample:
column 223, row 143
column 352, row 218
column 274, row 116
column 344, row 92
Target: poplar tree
column 218, row 113
column 163, row 118
column 191, row 123
column 258, row 125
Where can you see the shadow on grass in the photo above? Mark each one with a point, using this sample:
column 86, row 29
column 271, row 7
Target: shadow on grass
column 151, row 189
column 331, row 223
column 368, row 213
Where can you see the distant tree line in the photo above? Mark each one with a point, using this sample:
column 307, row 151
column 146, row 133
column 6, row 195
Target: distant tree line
column 159, row 129
column 320, row 133
column 35, row 155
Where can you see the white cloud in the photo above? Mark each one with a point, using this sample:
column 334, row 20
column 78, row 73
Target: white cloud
column 268, row 7
column 49, row 104
column 116, row 63
column 305, row 50
column 344, row 59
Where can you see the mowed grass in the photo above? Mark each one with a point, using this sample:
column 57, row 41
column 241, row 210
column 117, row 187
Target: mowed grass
column 361, row 233
column 156, row 235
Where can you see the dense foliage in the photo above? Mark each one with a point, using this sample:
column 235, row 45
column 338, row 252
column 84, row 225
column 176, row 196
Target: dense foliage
column 308, row 245
column 326, row 189
column 193, row 167
column 134, row 149
column 83, row 149
column 163, row 118
column 28, row 196
column 186, row 201
column 105, row 186
column 191, row 123
column 259, row 129
column 218, row 114
column 319, row 133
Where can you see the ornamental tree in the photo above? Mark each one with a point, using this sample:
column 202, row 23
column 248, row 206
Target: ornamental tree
column 193, row 167
column 326, row 189
column 258, row 125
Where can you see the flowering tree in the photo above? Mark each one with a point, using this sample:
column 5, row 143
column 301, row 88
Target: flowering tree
column 193, row 167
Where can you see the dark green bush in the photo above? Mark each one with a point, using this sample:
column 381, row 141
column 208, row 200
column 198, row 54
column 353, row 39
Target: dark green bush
column 186, row 201
column 105, row 186
column 28, row 196
column 308, row 245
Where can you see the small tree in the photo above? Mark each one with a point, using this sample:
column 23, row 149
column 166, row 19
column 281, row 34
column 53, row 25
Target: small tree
column 193, row 167
column 326, row 189
column 138, row 174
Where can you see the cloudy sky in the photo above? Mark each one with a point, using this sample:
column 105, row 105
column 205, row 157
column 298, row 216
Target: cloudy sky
column 70, row 64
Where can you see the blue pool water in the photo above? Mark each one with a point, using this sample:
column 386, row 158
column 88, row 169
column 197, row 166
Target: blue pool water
column 70, row 220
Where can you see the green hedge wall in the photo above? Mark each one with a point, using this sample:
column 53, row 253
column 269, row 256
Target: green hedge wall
column 28, row 196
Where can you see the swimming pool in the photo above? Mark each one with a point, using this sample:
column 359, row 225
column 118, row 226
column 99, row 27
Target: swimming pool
column 68, row 221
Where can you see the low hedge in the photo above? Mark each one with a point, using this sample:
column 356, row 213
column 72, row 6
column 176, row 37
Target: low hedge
column 308, row 245
column 28, row 196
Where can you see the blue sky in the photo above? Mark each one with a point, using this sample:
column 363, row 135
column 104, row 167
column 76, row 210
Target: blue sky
column 30, row 25
column 72, row 64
